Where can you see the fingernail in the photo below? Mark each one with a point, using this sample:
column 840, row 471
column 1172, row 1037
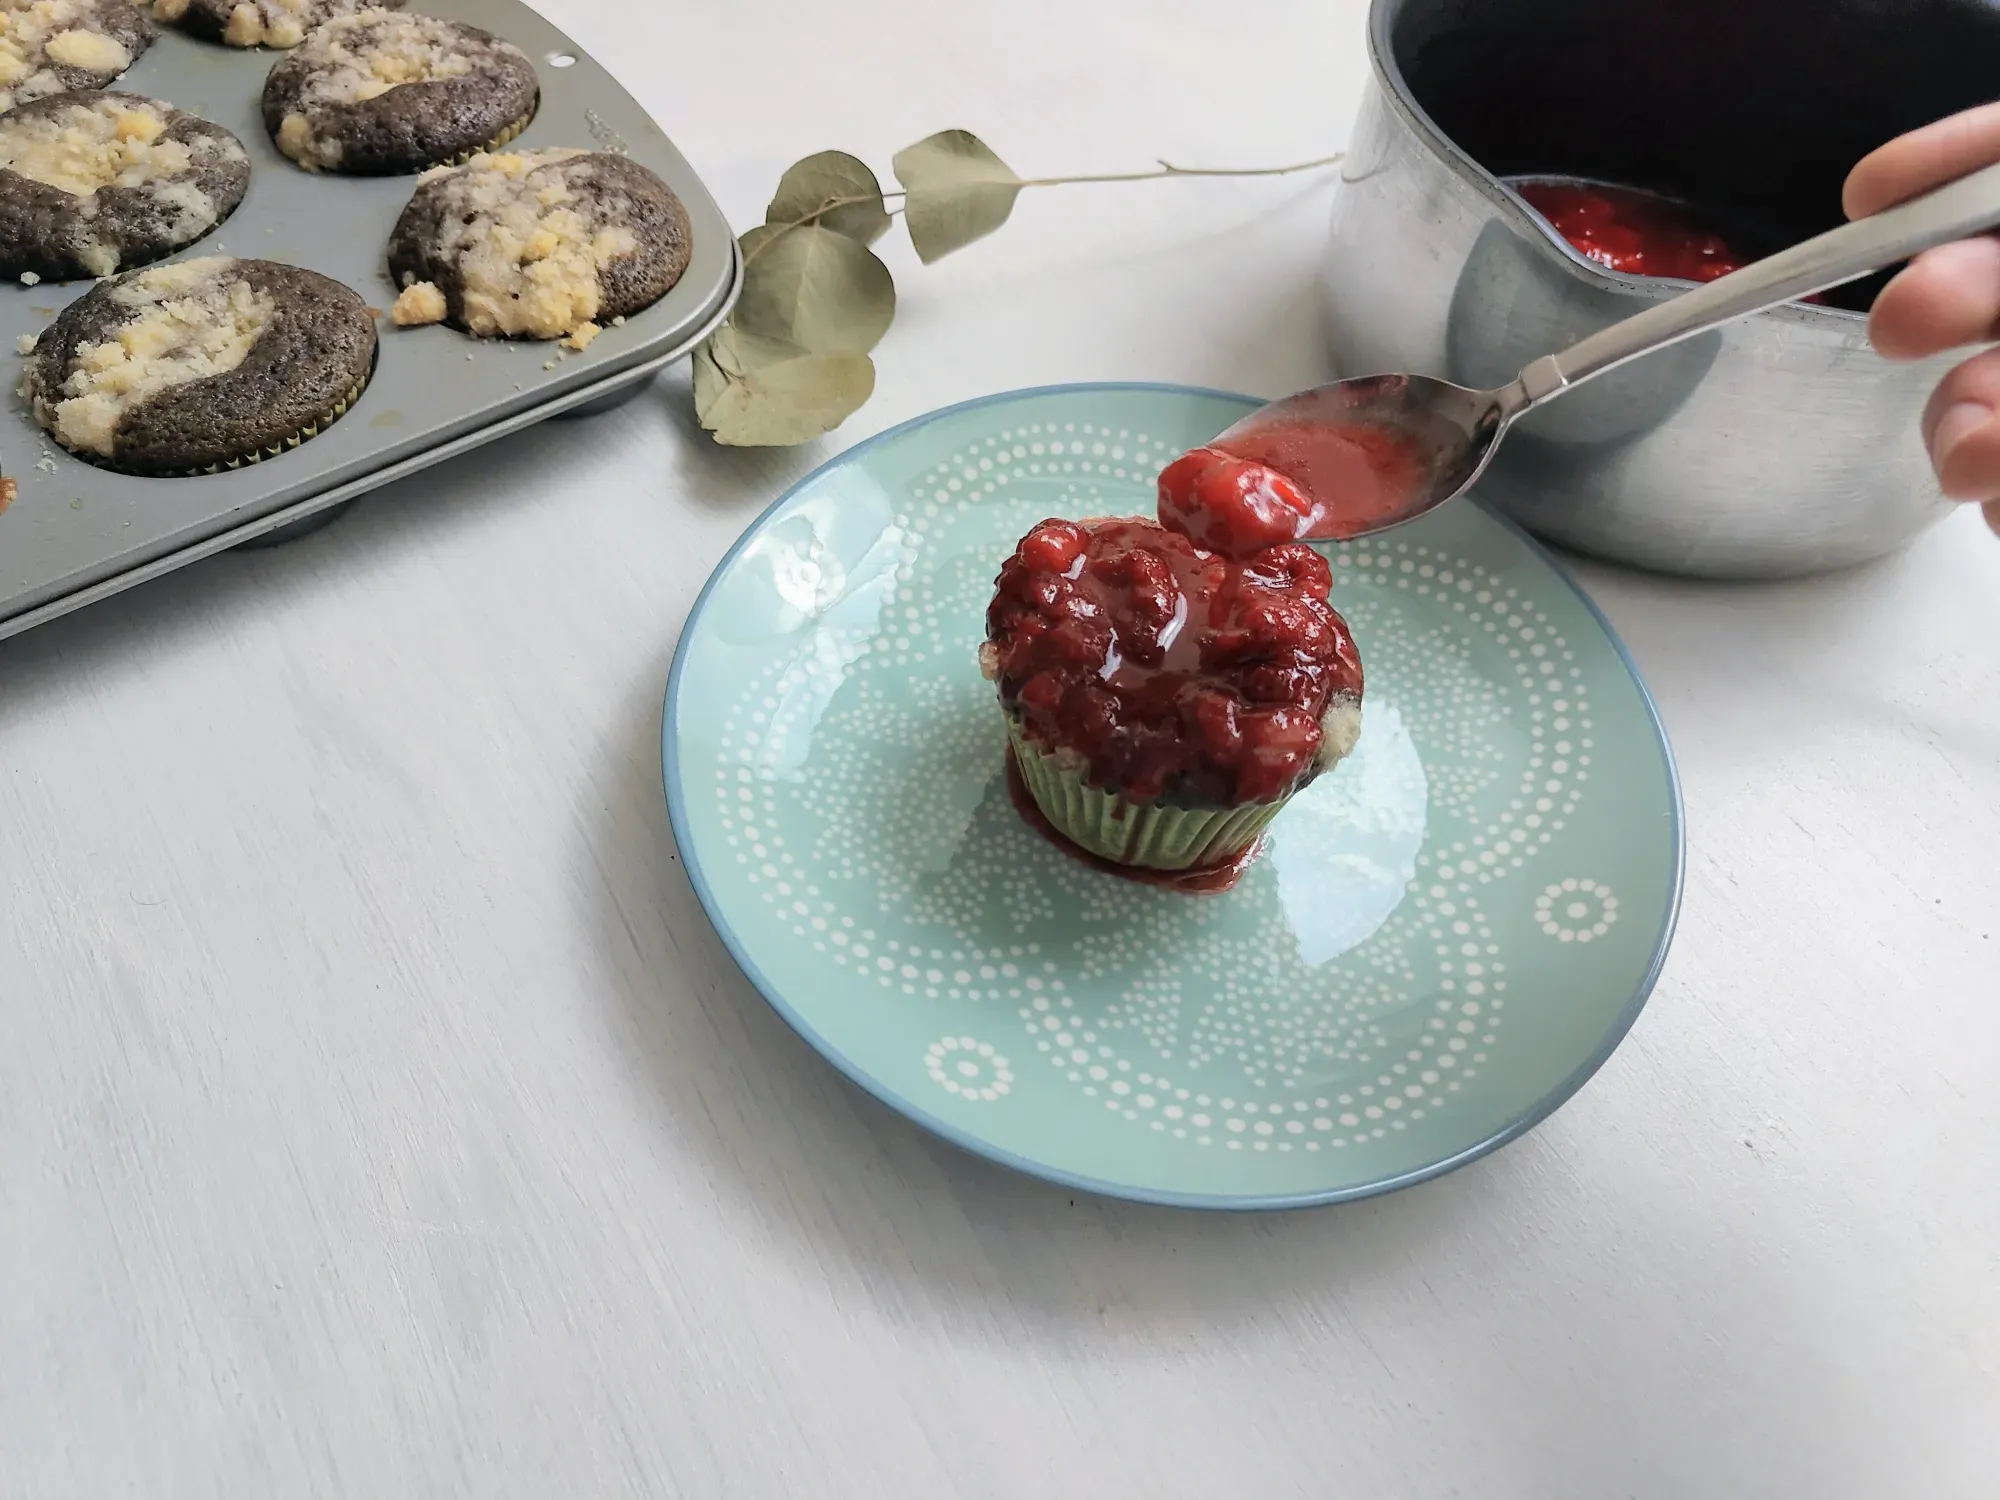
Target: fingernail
column 1957, row 423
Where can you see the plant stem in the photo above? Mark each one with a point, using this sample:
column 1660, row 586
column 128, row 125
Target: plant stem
column 1168, row 169
column 826, row 208
column 1165, row 169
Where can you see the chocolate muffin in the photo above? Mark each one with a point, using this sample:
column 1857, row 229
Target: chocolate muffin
column 92, row 182
column 201, row 365
column 258, row 23
column 539, row 245
column 382, row 92
column 53, row 46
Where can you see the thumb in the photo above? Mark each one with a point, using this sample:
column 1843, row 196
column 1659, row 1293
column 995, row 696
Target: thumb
column 1992, row 509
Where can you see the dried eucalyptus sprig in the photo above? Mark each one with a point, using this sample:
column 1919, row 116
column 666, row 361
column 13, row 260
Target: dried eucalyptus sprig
column 792, row 361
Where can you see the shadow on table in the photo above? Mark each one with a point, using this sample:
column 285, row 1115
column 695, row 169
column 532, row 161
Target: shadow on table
column 1516, row 1245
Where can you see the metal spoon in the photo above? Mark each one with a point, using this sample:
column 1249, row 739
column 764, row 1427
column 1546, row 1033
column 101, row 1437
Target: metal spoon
column 1455, row 431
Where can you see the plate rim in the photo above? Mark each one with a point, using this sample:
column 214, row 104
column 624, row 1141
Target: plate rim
column 975, row 1145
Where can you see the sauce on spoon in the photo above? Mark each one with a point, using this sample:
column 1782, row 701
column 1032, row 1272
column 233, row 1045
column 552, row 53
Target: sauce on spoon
column 1290, row 481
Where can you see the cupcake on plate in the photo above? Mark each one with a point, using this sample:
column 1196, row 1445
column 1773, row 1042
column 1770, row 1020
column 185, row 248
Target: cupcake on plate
column 93, row 182
column 537, row 245
column 1164, row 702
column 54, row 46
column 258, row 23
column 381, row 92
column 201, row 366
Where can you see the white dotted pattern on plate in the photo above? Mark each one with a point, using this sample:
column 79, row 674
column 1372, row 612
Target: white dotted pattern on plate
column 1235, row 1068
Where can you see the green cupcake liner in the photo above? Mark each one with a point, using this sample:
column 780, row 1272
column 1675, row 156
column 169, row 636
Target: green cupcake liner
column 1148, row 835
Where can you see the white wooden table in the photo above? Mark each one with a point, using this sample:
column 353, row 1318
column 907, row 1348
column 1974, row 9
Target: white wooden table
column 379, row 1116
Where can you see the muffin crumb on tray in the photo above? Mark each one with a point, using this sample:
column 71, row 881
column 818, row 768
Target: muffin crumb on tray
column 418, row 304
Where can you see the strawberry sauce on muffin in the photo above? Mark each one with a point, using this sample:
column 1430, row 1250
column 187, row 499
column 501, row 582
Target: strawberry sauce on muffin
column 1163, row 700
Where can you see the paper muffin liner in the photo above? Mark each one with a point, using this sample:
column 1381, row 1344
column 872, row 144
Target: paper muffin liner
column 1148, row 835
column 511, row 133
column 304, row 435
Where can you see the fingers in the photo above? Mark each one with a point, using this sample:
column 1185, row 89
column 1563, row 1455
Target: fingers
column 1923, row 159
column 1944, row 298
column 1961, row 429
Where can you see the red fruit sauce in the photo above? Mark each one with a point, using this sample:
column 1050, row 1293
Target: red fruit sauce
column 1289, row 481
column 1207, row 880
column 1179, row 675
column 1638, row 233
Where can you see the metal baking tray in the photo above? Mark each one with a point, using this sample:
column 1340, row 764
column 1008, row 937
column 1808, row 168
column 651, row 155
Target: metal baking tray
column 78, row 533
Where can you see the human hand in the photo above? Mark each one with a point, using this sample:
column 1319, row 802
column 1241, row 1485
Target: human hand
column 1944, row 299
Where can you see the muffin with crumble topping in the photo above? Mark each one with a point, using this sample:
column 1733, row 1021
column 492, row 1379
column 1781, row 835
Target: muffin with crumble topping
column 200, row 365
column 384, row 91
column 54, row 46
column 537, row 245
column 92, row 183
column 258, row 23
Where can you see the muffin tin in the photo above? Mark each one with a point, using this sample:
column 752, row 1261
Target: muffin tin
column 77, row 533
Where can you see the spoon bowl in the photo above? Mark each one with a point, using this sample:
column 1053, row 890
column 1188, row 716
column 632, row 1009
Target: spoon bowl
column 1452, row 431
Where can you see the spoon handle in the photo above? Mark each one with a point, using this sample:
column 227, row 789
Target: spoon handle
column 1953, row 212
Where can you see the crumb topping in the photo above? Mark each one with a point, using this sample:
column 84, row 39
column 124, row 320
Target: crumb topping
column 93, row 145
column 116, row 141
column 39, row 36
column 529, row 254
column 187, row 322
column 361, row 57
column 266, row 23
column 420, row 303
column 92, row 51
column 1341, row 724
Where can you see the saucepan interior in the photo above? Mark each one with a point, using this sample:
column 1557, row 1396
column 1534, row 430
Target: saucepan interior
column 1750, row 110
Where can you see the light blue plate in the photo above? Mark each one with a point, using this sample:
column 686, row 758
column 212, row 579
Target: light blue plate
column 1446, row 937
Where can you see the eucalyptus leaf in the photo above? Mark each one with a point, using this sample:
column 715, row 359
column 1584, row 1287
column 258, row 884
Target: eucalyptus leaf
column 786, row 402
column 814, row 288
column 740, row 353
column 730, row 353
column 831, row 177
column 711, row 381
column 956, row 191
